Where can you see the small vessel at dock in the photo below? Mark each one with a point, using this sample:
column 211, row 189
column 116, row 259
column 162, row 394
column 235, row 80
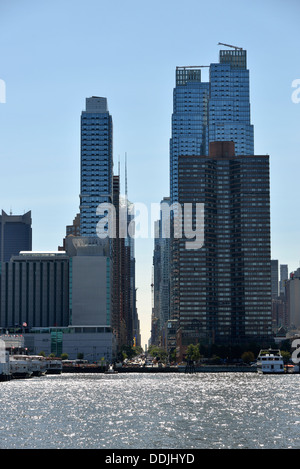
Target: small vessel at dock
column 270, row 361
column 38, row 365
column 5, row 374
column 53, row 366
column 110, row 370
column 20, row 366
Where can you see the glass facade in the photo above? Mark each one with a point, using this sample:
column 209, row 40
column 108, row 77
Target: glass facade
column 96, row 163
column 189, row 120
column 217, row 110
column 229, row 103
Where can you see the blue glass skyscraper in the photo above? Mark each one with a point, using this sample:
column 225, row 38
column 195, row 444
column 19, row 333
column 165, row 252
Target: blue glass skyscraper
column 96, row 162
column 189, row 120
column 229, row 102
column 217, row 110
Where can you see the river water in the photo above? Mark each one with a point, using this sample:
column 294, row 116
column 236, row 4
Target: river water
column 151, row 411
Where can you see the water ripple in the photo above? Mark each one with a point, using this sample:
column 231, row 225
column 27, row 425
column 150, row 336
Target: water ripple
column 165, row 411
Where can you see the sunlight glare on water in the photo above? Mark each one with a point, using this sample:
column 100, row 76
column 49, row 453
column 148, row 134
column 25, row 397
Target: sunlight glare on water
column 151, row 411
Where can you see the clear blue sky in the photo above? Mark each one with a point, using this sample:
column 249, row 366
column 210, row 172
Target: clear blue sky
column 54, row 54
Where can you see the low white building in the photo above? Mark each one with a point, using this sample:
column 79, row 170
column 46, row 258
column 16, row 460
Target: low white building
column 92, row 342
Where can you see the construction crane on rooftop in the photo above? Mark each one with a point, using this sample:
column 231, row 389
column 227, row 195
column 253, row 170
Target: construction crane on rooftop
column 228, row 45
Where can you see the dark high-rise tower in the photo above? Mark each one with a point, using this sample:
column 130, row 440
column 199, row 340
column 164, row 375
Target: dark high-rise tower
column 15, row 235
column 223, row 290
column 125, row 321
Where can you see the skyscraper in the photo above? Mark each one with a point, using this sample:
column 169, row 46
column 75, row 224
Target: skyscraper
column 211, row 111
column 161, row 276
column 221, row 292
column 96, row 162
column 284, row 275
column 98, row 186
column 124, row 319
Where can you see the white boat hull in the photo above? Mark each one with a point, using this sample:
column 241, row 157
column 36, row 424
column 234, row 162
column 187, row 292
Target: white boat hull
column 270, row 362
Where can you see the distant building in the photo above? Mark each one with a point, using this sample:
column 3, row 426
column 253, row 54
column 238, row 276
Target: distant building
column 90, row 298
column 118, row 321
column 168, row 337
column 161, row 273
column 284, row 276
column 61, row 301
column 274, row 279
column 293, row 299
column 280, row 308
column 71, row 230
column 15, row 235
column 280, row 314
column 35, row 290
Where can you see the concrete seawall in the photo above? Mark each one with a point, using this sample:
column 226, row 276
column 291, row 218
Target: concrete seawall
column 155, row 369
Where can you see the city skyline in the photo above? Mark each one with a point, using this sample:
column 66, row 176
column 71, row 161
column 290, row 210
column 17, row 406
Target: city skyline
column 49, row 71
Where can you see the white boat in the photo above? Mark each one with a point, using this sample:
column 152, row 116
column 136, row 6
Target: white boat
column 53, row 366
column 38, row 365
column 20, row 366
column 270, row 361
column 5, row 374
column 110, row 370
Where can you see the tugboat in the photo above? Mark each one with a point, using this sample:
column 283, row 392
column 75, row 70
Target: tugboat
column 270, row 361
